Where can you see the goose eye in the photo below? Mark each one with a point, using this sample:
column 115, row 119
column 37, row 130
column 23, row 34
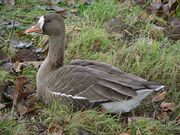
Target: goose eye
column 48, row 21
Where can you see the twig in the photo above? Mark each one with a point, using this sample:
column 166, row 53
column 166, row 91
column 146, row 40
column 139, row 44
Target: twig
column 10, row 35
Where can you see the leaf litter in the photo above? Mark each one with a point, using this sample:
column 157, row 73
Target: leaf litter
column 159, row 97
column 25, row 102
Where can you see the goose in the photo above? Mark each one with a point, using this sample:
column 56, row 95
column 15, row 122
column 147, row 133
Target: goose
column 85, row 83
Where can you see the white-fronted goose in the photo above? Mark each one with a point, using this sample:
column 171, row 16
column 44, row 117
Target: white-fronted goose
column 85, row 82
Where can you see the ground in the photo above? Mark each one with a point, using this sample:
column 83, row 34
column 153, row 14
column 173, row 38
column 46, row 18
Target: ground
column 123, row 34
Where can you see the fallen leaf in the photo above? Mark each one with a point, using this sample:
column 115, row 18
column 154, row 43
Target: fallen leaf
column 1, row 116
column 23, row 101
column 20, row 86
column 175, row 22
column 158, row 1
column 11, row 23
column 171, row 2
column 95, row 47
column 163, row 116
column 6, row 90
column 71, row 2
column 174, row 30
column 178, row 120
column 13, row 67
column 165, row 11
column 55, row 129
column 74, row 12
column 59, row 131
column 2, row 106
column 35, row 64
column 156, row 6
column 159, row 97
column 139, row 2
column 156, row 32
column 165, row 106
column 71, row 28
column 82, row 131
column 3, row 58
column 25, row 55
column 124, row 134
column 118, row 28
column 132, row 119
column 56, row 8
column 26, row 106
column 9, row 2
column 59, row 10
column 8, row 66
column 20, row 44
column 42, row 127
column 18, row 66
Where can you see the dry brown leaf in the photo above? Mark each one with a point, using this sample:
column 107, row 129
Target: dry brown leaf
column 139, row 2
column 26, row 106
column 132, row 119
column 10, row 2
column 6, row 91
column 171, row 2
column 156, row 6
column 2, row 106
column 71, row 2
column 55, row 129
column 178, row 120
column 21, row 82
column 175, row 22
column 159, row 97
column 59, row 131
column 124, row 134
column 163, row 116
column 3, row 58
column 35, row 64
column 27, row 55
column 74, row 12
column 18, row 67
column 23, row 102
column 1, row 116
column 158, row 1
column 82, row 131
column 71, row 28
column 165, row 106
column 95, row 47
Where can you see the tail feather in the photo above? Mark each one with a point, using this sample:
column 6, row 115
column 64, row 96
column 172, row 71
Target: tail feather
column 160, row 87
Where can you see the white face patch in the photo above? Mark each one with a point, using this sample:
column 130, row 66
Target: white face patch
column 41, row 22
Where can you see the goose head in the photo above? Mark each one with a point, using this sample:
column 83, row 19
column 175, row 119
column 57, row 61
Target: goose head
column 50, row 24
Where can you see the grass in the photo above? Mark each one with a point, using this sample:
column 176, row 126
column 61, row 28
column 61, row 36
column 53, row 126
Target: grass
column 91, row 40
column 100, row 11
column 148, row 54
column 150, row 127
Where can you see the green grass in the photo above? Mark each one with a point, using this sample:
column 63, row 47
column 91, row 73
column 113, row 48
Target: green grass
column 62, row 116
column 148, row 54
column 100, row 11
column 147, row 126
column 91, row 40
column 3, row 75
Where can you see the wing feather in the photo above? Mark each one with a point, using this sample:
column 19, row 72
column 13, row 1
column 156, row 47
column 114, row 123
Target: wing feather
column 94, row 81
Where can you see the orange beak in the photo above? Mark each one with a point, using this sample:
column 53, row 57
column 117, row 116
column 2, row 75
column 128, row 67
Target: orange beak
column 36, row 28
